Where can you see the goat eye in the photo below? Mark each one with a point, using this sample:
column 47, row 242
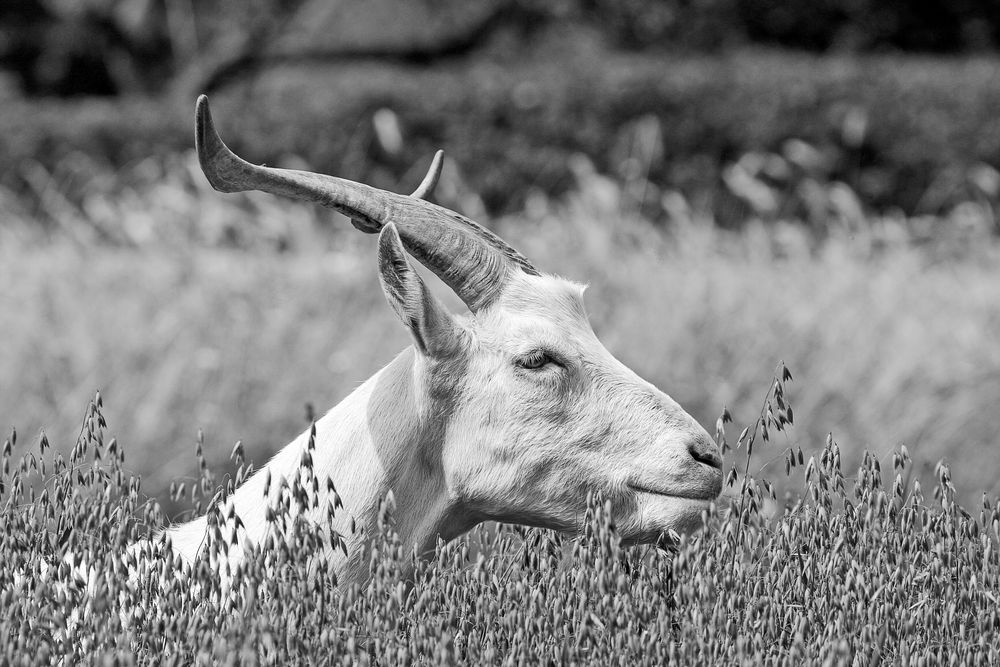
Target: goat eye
column 535, row 360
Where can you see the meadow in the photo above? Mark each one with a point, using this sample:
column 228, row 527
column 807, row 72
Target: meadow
column 241, row 317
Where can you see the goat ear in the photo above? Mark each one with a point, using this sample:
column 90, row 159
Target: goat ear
column 433, row 328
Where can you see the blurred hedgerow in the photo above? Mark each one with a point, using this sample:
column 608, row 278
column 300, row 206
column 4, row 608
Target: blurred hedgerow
column 859, row 567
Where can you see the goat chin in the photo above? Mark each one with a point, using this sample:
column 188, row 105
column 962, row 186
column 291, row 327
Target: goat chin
column 656, row 515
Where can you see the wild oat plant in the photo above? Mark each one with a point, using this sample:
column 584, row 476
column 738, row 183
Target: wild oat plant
column 859, row 569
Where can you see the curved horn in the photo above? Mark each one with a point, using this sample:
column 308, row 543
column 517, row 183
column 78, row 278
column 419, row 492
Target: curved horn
column 426, row 187
column 471, row 260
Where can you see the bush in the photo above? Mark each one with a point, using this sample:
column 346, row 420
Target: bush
column 898, row 132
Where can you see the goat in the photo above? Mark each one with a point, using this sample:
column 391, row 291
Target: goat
column 513, row 413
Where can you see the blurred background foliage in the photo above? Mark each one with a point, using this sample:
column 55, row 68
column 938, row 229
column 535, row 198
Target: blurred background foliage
column 102, row 47
column 514, row 88
column 741, row 180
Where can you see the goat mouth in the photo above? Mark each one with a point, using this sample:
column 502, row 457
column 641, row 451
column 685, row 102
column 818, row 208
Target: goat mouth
column 688, row 495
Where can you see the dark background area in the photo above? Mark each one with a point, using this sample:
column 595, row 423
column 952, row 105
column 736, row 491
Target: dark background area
column 109, row 47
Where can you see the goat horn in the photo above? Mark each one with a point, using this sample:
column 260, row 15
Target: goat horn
column 470, row 259
column 426, row 187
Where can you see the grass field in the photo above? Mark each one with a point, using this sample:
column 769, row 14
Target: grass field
column 191, row 310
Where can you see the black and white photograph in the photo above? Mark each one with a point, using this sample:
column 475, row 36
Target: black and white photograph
column 499, row 332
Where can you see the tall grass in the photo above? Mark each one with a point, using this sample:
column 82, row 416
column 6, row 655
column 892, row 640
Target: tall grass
column 863, row 569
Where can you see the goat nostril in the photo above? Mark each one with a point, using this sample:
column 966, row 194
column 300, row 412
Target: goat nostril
column 705, row 452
